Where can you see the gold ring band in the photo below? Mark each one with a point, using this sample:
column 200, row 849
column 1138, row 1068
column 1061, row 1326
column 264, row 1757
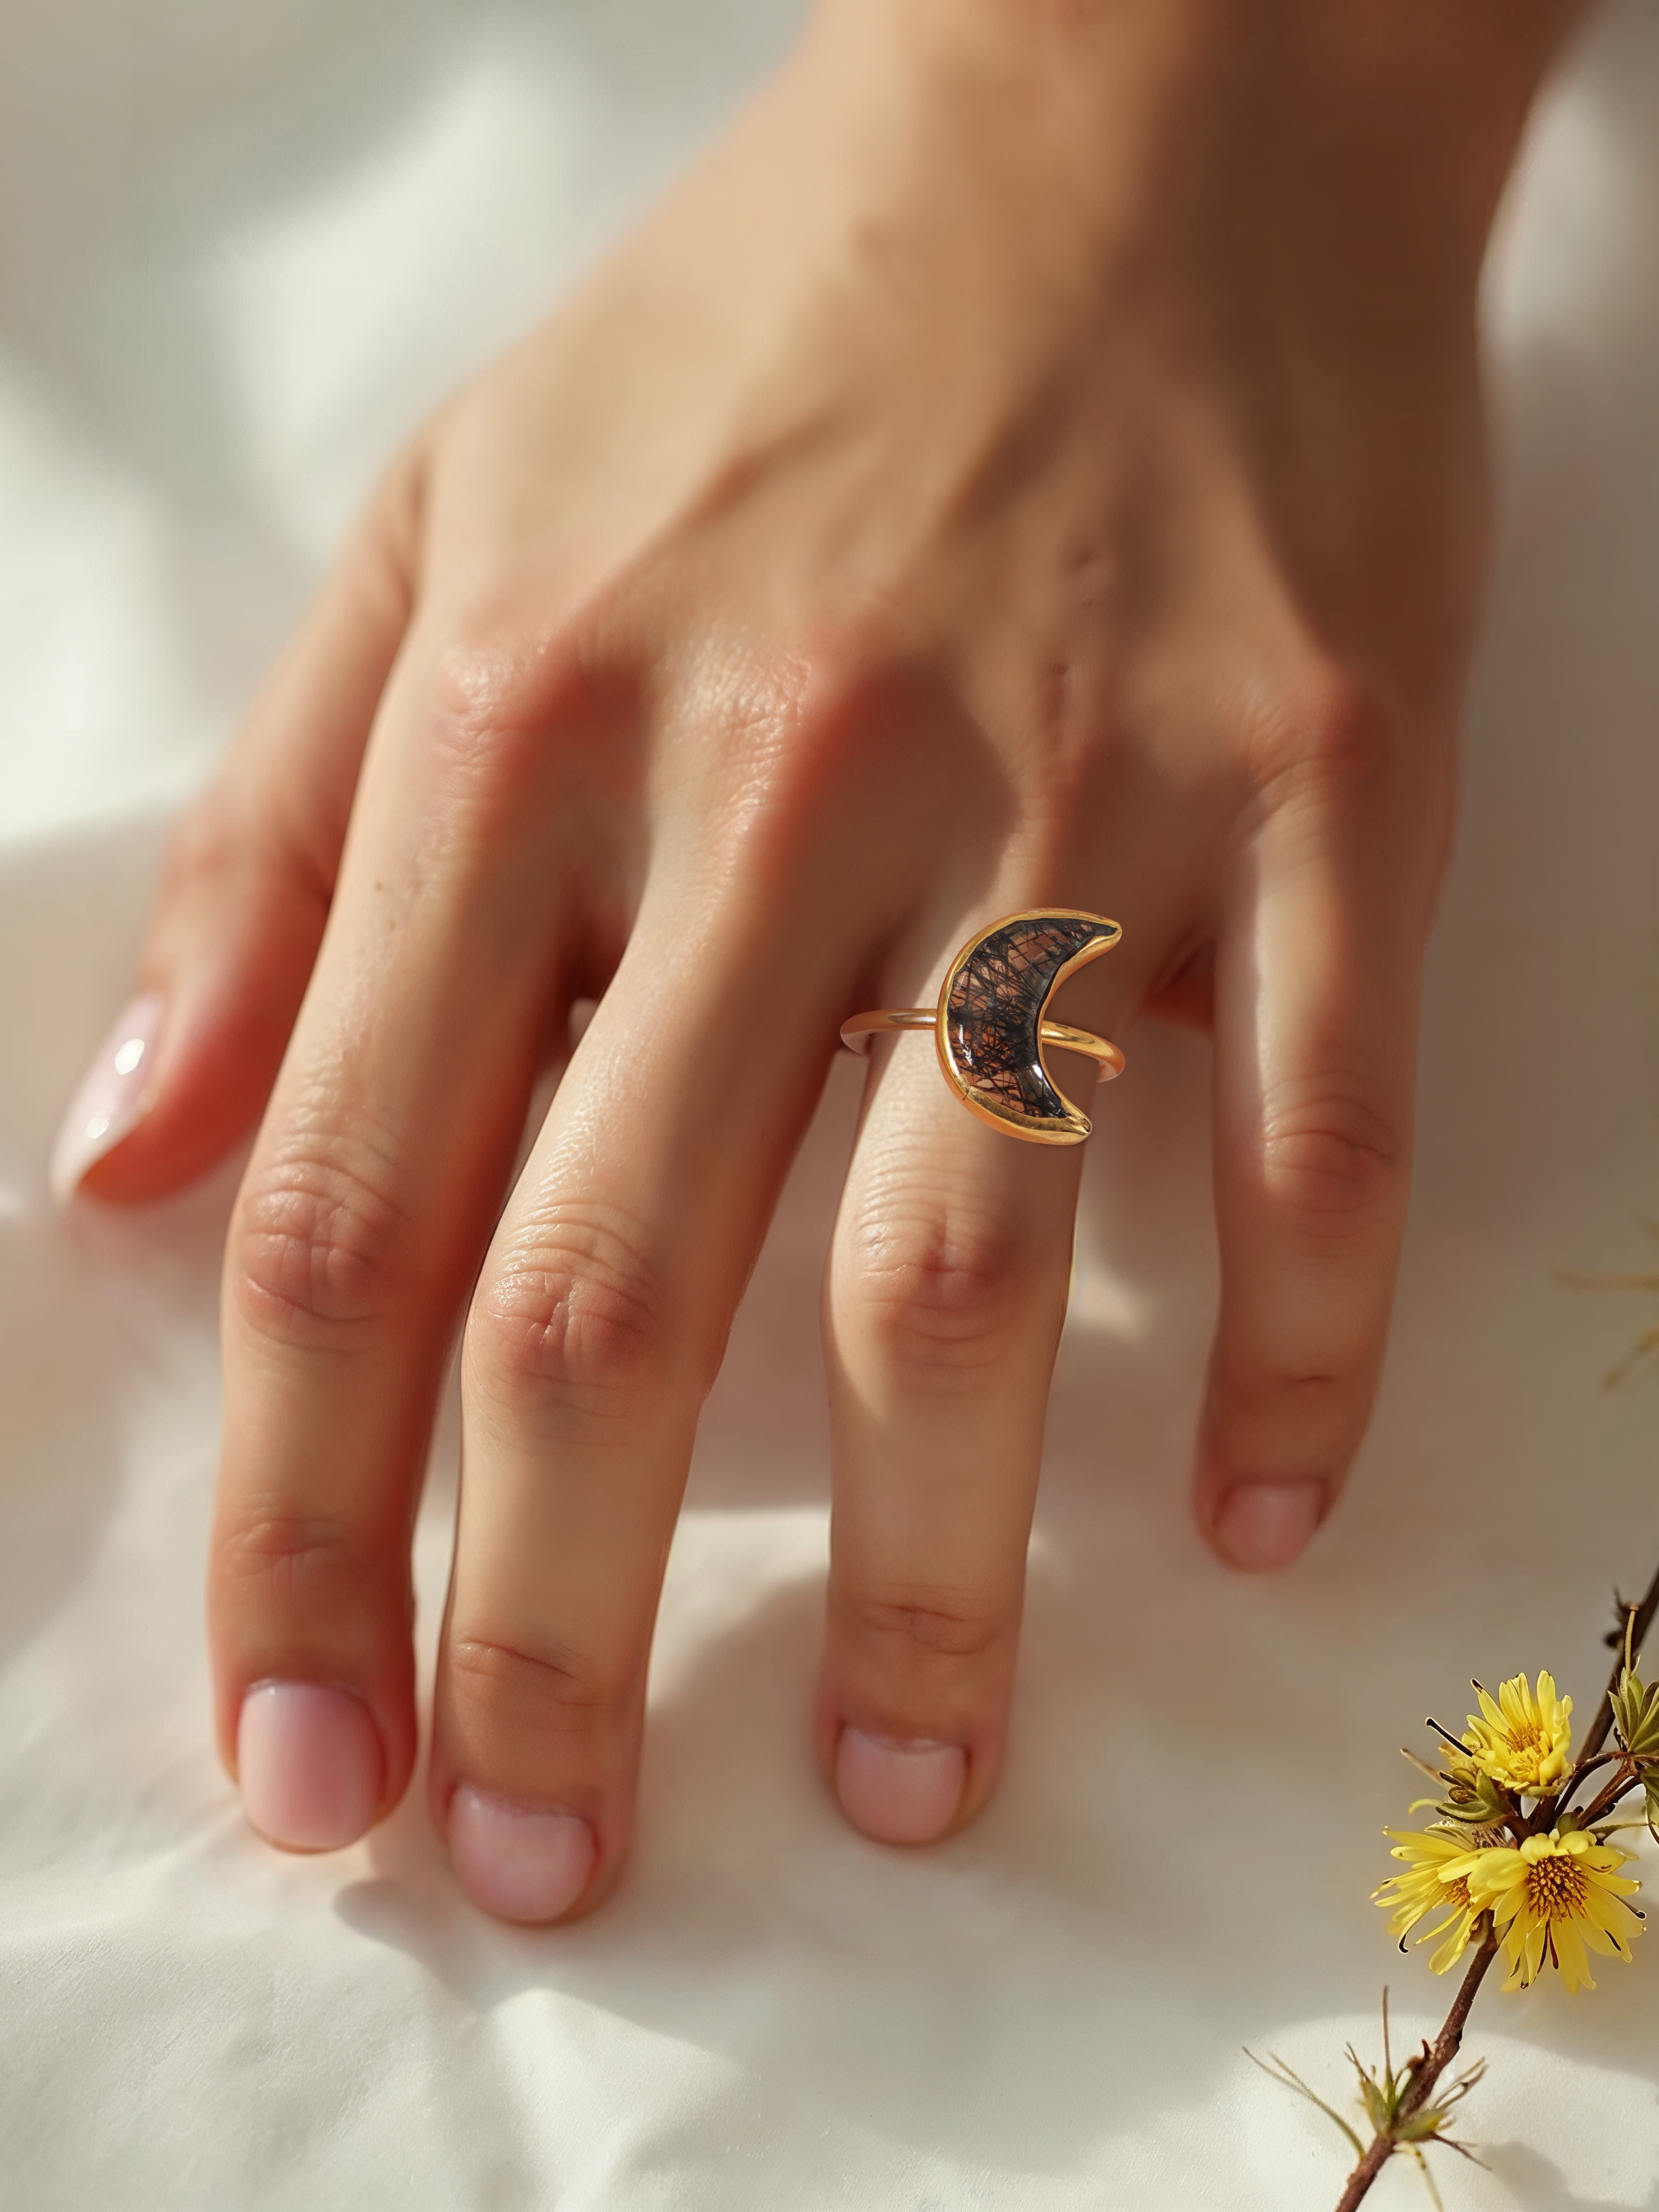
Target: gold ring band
column 991, row 1021
column 856, row 1033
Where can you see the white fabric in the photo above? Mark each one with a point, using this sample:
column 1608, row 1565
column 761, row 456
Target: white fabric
column 239, row 247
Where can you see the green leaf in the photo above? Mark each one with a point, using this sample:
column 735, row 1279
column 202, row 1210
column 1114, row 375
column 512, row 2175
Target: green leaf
column 1636, row 1712
column 1473, row 1799
column 1379, row 2104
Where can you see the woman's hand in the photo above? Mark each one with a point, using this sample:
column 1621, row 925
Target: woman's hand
column 1035, row 461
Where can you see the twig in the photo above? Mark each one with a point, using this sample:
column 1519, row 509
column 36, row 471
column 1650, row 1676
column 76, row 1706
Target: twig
column 1626, row 1779
column 1427, row 2070
column 1588, row 1766
column 1634, row 1622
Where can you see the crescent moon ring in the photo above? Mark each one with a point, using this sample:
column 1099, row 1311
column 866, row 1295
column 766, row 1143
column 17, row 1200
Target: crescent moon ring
column 991, row 1023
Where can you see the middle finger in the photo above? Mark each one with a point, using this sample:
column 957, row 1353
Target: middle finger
column 598, row 1326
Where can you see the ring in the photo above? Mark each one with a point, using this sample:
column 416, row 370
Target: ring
column 991, row 1024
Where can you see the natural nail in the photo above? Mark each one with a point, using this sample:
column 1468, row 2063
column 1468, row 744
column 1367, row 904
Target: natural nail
column 113, row 1096
column 520, row 1862
column 1268, row 1524
column 309, row 1764
column 899, row 1791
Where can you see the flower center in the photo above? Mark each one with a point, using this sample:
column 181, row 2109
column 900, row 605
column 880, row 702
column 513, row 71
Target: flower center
column 1556, row 1888
column 1526, row 1750
column 1457, row 1890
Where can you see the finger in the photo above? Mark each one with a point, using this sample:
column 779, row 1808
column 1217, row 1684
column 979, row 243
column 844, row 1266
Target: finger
column 944, row 1297
column 598, row 1324
column 1317, row 980
column 244, row 895
column 363, row 1216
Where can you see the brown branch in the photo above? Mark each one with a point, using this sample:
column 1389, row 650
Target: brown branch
column 1638, row 1619
column 1626, row 1779
column 1427, row 2070
column 1634, row 1623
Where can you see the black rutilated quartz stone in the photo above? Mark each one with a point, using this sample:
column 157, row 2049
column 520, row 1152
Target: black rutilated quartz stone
column 995, row 1009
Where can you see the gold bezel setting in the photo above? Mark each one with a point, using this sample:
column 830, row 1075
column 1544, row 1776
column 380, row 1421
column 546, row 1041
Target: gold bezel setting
column 991, row 1023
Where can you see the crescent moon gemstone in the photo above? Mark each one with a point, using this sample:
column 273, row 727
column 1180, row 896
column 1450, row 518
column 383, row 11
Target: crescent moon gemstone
column 990, row 1020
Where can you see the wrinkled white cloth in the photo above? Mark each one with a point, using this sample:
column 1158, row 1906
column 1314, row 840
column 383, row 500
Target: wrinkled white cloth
column 240, row 248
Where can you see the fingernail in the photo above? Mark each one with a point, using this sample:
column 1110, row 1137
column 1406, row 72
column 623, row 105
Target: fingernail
column 1268, row 1524
column 112, row 1096
column 309, row 1764
column 897, row 1790
column 517, row 1861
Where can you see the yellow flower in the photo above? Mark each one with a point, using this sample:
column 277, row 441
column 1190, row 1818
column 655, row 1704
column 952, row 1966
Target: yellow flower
column 1521, row 1740
column 1551, row 1896
column 1424, row 1888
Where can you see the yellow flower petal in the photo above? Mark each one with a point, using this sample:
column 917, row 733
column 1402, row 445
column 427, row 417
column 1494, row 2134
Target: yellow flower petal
column 1522, row 1738
column 1554, row 1898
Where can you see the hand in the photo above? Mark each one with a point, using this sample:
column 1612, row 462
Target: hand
column 1035, row 461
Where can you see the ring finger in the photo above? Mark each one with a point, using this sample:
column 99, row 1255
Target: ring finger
column 944, row 1297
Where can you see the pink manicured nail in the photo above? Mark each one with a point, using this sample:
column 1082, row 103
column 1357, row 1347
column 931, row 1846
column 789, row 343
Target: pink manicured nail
column 895, row 1791
column 309, row 1764
column 112, row 1096
column 516, row 1861
column 1268, row 1524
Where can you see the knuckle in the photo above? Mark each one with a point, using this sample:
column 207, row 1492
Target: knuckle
column 940, row 1292
column 509, row 708
column 837, row 683
column 851, row 690
column 1334, row 1162
column 1277, row 1412
column 205, row 847
column 930, row 1618
column 228, row 851
column 312, row 1565
column 575, row 1314
column 1320, row 734
column 779, row 740
column 482, row 688
column 320, row 1249
column 759, row 755
column 532, row 1692
column 244, row 857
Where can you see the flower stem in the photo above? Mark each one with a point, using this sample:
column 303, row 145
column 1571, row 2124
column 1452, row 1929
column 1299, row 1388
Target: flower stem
column 1619, row 1788
column 1426, row 2072
column 1629, row 1636
column 1638, row 1635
